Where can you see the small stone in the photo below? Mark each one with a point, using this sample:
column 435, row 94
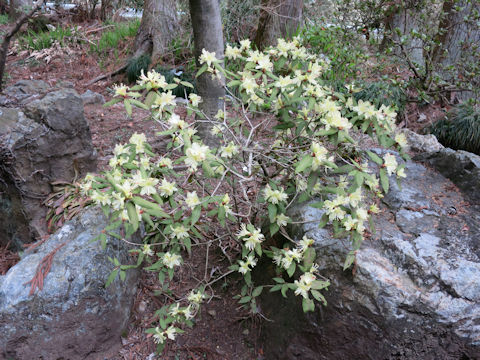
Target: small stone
column 92, row 98
column 212, row 313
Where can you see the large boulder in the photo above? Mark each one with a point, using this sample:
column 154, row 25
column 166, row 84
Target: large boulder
column 74, row 316
column 41, row 141
column 461, row 167
column 414, row 291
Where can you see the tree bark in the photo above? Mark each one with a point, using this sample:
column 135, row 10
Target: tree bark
column 208, row 35
column 460, row 42
column 278, row 19
column 406, row 20
column 19, row 7
column 157, row 29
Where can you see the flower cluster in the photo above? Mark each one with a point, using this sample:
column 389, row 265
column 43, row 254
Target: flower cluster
column 284, row 258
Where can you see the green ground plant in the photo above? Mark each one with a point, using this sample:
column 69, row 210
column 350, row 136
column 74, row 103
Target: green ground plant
column 111, row 38
column 4, row 19
column 233, row 190
column 36, row 41
column 459, row 129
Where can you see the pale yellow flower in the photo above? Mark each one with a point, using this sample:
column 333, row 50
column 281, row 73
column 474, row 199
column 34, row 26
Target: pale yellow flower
column 194, row 99
column 390, row 163
column 163, row 100
column 207, row 58
column 171, row 260
column 192, row 200
column 228, row 151
column 120, row 90
column 274, row 196
column 401, row 140
column 167, row 188
column 232, row 52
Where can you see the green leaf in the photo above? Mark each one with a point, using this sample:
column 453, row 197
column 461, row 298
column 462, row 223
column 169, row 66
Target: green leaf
column 291, row 269
column 257, row 291
column 196, row 215
column 349, row 260
column 303, row 164
column 150, row 98
column 234, row 83
column 186, row 84
column 319, row 284
column 284, row 126
column 358, row 177
column 132, row 215
column 274, row 228
column 258, row 249
column 148, row 219
column 128, row 106
column 178, row 214
column 139, row 104
column 188, row 245
column 284, row 290
column 276, row 288
column 111, row 277
column 112, row 102
column 308, row 305
column 278, row 280
column 309, row 257
column 323, row 221
column 384, row 180
column 221, row 215
column 171, row 86
column 375, row 158
column 202, row 70
column 318, row 296
column 272, row 212
column 208, row 169
column 245, row 299
column 122, row 275
column 148, row 205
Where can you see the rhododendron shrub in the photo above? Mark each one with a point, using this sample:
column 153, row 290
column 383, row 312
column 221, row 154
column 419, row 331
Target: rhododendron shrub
column 285, row 138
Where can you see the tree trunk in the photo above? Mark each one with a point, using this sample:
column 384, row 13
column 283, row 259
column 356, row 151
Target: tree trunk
column 3, row 7
column 278, row 19
column 458, row 54
column 407, row 20
column 208, row 35
column 19, row 7
column 157, row 29
column 461, row 38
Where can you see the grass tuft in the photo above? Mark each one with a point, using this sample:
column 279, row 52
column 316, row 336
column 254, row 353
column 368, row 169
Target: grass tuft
column 459, row 129
column 135, row 67
column 111, row 39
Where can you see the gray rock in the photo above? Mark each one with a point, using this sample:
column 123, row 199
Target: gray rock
column 461, row 167
column 65, row 84
column 422, row 143
column 23, row 91
column 74, row 316
column 45, row 140
column 92, row 98
column 414, row 292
